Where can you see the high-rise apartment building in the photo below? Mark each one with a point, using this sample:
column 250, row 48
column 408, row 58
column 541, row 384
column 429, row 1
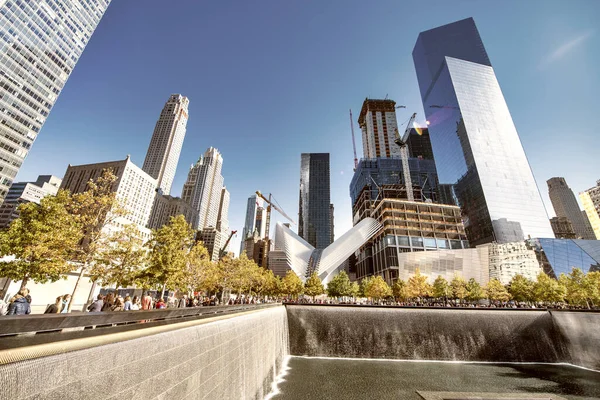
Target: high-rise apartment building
column 40, row 43
column 475, row 143
column 26, row 192
column 377, row 120
column 590, row 199
column 314, row 223
column 135, row 189
column 165, row 146
column 203, row 188
column 565, row 206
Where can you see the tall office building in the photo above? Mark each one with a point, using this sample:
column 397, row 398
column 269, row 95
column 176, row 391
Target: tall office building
column 26, row 192
column 40, row 43
column 475, row 143
column 253, row 209
column 377, row 120
column 165, row 207
column 203, row 188
column 314, row 223
column 223, row 215
column 590, row 199
column 566, row 206
column 165, row 146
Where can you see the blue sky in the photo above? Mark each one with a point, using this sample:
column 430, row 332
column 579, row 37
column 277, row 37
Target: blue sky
column 270, row 79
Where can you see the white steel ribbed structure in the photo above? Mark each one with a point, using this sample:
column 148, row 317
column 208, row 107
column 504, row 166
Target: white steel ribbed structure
column 304, row 258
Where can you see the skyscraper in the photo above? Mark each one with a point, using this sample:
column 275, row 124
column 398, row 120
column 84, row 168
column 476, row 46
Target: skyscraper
column 590, row 199
column 203, row 187
column 314, row 223
column 566, row 206
column 165, row 146
column 40, row 43
column 223, row 216
column 252, row 217
column 377, row 120
column 475, row 143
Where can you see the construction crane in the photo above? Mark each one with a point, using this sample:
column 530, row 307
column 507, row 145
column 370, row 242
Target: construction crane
column 268, row 222
column 353, row 141
column 401, row 141
column 223, row 250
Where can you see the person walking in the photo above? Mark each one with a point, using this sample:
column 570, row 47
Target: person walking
column 65, row 303
column 56, row 307
column 96, row 306
column 19, row 304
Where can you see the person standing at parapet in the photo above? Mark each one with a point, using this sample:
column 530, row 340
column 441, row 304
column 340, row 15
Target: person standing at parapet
column 147, row 302
column 97, row 305
column 19, row 304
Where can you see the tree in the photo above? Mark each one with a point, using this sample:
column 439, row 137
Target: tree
column 122, row 259
column 474, row 290
column 496, row 291
column 339, row 285
column 354, row 289
column 363, row 285
column 591, row 283
column 169, row 249
column 521, row 288
column 292, row 284
column 313, row 286
column 441, row 288
column 548, row 290
column 201, row 273
column 376, row 288
column 40, row 240
column 399, row 290
column 95, row 210
column 576, row 289
column 417, row 286
column 459, row 288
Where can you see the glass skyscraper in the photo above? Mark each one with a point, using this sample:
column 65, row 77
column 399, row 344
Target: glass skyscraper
column 314, row 216
column 40, row 43
column 479, row 157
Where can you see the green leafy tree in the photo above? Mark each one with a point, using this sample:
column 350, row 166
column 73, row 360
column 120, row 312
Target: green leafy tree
column 591, row 283
column 292, row 284
column 339, row 285
column 354, row 289
column 40, row 240
column 459, row 288
column 441, row 288
column 496, row 291
column 417, row 286
column 363, row 285
column 169, row 249
column 548, row 290
column 201, row 273
column 122, row 259
column 376, row 288
column 399, row 290
column 576, row 289
column 474, row 290
column 95, row 210
column 521, row 288
column 313, row 286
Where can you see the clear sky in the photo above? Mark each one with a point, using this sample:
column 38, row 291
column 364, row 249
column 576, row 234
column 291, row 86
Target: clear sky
column 270, row 79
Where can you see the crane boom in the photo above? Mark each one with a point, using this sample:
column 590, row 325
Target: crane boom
column 353, row 141
column 222, row 252
column 404, row 156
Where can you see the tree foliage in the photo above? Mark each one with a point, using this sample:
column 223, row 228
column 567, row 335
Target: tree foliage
column 292, row 284
column 496, row 291
column 459, row 288
column 521, row 288
column 417, row 286
column 40, row 240
column 313, row 286
column 548, row 290
column 474, row 290
column 399, row 290
column 441, row 288
column 376, row 288
column 574, row 283
column 339, row 286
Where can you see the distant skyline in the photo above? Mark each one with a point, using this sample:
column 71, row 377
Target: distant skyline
column 269, row 81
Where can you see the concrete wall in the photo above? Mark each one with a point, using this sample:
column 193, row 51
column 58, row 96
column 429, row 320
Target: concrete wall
column 582, row 335
column 231, row 358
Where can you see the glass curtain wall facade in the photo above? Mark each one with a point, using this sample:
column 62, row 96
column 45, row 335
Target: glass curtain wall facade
column 560, row 256
column 40, row 43
column 480, row 161
column 314, row 224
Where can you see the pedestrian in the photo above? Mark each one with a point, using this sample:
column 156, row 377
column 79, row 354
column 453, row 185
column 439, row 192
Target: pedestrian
column 128, row 304
column 172, row 301
column 56, row 307
column 96, row 306
column 19, row 304
column 160, row 304
column 135, row 303
column 119, row 305
column 3, row 304
column 65, row 303
column 182, row 302
column 109, row 301
column 147, row 302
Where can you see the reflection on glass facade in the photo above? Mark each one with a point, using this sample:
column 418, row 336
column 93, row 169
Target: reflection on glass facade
column 40, row 43
column 560, row 256
column 314, row 218
column 480, row 161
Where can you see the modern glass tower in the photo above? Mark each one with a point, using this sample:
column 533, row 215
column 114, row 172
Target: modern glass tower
column 40, row 43
column 476, row 146
column 314, row 218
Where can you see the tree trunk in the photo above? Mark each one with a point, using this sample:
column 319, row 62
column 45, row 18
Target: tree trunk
column 162, row 292
column 83, row 269
column 24, row 282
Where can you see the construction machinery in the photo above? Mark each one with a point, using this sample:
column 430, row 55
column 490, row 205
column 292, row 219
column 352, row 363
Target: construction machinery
column 270, row 204
column 401, row 141
column 223, row 250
